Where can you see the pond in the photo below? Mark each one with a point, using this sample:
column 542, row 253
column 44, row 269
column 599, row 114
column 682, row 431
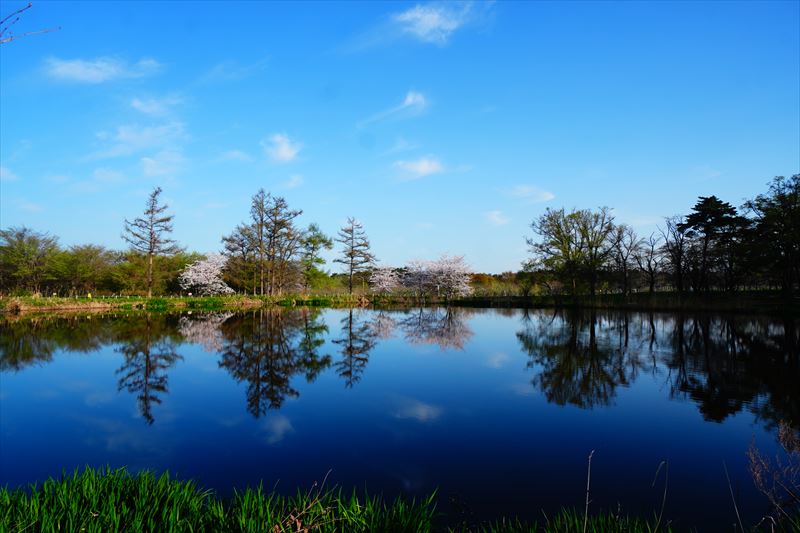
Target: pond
column 497, row 410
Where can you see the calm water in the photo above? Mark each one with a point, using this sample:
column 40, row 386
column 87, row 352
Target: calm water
column 497, row 409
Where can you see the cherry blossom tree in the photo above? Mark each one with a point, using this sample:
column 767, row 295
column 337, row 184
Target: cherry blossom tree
column 384, row 280
column 205, row 276
column 451, row 276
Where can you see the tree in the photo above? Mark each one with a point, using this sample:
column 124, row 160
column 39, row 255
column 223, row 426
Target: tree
column 205, row 276
column 239, row 248
column 26, row 257
column 312, row 243
column 384, row 280
column 676, row 245
column 6, row 35
column 626, row 246
column 148, row 234
column 356, row 255
column 82, row 268
column 451, row 276
column 649, row 259
column 776, row 232
column 575, row 245
column 709, row 220
column 274, row 239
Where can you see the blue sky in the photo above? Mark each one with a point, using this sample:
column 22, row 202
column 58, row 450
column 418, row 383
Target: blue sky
column 443, row 127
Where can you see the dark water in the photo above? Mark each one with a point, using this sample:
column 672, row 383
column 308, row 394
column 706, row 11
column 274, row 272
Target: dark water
column 498, row 410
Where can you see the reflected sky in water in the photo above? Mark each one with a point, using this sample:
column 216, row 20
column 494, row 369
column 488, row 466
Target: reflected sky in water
column 498, row 409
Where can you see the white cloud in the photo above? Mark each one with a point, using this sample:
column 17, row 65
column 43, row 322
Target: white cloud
column 235, row 155
column 497, row 360
column 99, row 70
column 130, row 139
column 233, row 71
column 433, row 23
column 413, row 103
column 101, row 179
column 294, row 181
column 279, row 147
column 531, row 194
column 275, row 428
column 420, row 168
column 30, row 207
column 7, row 175
column 163, row 163
column 496, row 218
column 400, row 145
column 155, row 106
column 107, row 175
column 417, row 410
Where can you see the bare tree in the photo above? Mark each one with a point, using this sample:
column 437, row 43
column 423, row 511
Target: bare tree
column 626, row 246
column 649, row 259
column 676, row 246
column 6, row 35
column 148, row 234
column 356, row 255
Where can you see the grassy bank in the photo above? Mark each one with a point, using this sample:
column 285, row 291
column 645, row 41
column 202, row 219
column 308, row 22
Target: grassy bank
column 766, row 302
column 745, row 302
column 114, row 500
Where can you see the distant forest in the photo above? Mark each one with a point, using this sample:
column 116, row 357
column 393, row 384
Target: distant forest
column 715, row 247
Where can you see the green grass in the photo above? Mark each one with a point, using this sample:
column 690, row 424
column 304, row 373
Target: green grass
column 109, row 500
column 114, row 500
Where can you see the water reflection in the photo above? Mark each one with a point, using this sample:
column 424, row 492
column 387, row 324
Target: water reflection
column 150, row 349
column 723, row 364
column 266, row 348
column 444, row 327
column 358, row 338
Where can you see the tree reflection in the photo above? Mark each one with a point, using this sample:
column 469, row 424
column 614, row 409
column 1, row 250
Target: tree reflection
column 723, row 364
column 266, row 348
column 357, row 340
column 574, row 365
column 444, row 327
column 28, row 341
column 149, row 348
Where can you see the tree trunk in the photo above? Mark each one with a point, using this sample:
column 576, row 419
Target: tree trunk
column 150, row 275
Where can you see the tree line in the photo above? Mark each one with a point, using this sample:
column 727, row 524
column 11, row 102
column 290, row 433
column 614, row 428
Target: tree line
column 268, row 254
column 715, row 247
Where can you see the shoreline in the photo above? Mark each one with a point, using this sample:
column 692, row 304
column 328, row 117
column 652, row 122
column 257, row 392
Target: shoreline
column 751, row 302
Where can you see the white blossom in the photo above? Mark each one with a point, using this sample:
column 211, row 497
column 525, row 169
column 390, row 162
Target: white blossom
column 205, row 276
column 384, row 280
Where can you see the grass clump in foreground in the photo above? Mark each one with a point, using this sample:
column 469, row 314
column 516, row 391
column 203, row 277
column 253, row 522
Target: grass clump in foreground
column 115, row 500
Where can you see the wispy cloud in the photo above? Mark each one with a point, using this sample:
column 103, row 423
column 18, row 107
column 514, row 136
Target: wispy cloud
column 434, row 23
column 7, row 175
column 156, row 106
column 293, row 182
column 496, row 218
column 279, row 147
column 431, row 23
column 275, row 428
column 164, row 163
column 235, row 155
column 30, row 207
column 497, row 360
column 233, row 71
column 130, row 139
column 531, row 194
column 99, row 70
column 400, row 145
column 417, row 410
column 413, row 103
column 101, row 179
column 419, row 168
